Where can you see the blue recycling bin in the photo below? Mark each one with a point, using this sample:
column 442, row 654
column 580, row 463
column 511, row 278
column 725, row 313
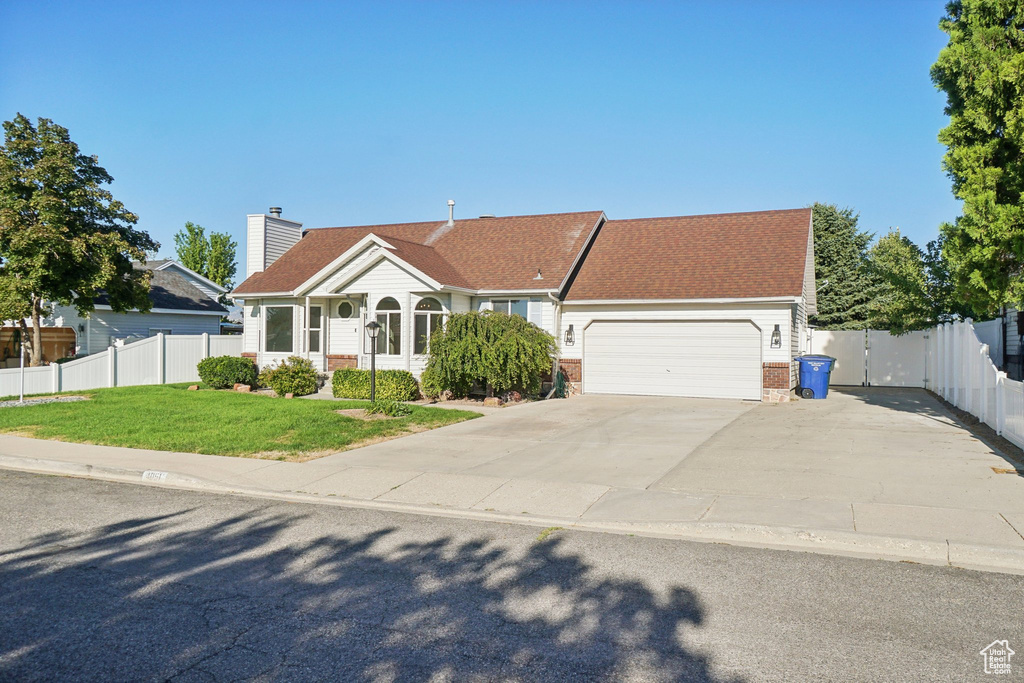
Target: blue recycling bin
column 814, row 373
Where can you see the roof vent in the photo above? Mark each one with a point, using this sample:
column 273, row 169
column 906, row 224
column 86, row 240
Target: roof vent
column 275, row 211
column 451, row 212
column 487, row 215
column 538, row 276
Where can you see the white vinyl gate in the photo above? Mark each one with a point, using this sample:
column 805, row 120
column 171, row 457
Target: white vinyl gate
column 701, row 359
column 873, row 357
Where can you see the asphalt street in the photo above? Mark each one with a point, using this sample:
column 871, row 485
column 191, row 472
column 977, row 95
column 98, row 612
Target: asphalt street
column 116, row 582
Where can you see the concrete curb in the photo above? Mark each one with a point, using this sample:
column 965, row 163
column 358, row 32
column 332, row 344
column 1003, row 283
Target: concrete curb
column 831, row 542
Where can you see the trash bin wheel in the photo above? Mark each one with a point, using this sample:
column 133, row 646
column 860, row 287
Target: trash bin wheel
column 806, row 393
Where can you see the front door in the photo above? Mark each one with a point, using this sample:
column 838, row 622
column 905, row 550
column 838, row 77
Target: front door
column 345, row 325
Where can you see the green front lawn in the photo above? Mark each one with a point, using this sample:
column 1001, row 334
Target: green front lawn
column 170, row 418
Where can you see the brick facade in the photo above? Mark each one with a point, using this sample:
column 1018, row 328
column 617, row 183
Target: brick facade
column 248, row 354
column 573, row 369
column 776, row 381
column 338, row 361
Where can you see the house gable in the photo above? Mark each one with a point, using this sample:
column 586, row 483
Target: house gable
column 378, row 271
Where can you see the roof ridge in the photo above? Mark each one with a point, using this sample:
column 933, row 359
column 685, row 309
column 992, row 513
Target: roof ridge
column 457, row 221
column 708, row 215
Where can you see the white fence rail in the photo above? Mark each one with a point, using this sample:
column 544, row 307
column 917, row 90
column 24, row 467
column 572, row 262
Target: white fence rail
column 163, row 359
column 960, row 369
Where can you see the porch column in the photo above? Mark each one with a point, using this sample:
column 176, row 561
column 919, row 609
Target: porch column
column 305, row 332
column 407, row 331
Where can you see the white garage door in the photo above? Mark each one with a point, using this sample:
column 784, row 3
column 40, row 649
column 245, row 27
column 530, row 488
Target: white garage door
column 670, row 358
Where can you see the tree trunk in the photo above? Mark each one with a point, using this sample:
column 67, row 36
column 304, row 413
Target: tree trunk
column 36, row 345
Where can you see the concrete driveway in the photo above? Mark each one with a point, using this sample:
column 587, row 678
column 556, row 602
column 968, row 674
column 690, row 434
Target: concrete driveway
column 891, row 462
column 628, row 441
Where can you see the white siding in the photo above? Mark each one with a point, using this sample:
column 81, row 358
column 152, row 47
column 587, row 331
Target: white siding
column 461, row 303
column 255, row 247
column 102, row 327
column 105, row 326
column 764, row 316
column 1012, row 338
column 251, row 327
column 267, row 238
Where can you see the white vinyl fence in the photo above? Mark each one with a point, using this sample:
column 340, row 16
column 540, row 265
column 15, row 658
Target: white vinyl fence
column 162, row 359
column 962, row 372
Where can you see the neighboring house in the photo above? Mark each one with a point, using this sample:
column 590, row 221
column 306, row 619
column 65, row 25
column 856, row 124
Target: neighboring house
column 705, row 306
column 184, row 302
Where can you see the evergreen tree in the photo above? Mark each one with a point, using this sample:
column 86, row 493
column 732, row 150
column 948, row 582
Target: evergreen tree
column 845, row 283
column 981, row 71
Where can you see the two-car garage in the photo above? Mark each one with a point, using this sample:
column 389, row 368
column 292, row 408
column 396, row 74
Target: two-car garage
column 695, row 358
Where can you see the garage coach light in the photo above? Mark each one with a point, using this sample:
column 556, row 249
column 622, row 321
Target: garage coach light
column 570, row 337
column 776, row 338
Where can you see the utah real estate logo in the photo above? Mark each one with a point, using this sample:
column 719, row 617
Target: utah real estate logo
column 997, row 657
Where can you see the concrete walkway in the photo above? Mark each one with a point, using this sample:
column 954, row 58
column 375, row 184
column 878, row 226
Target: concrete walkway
column 881, row 473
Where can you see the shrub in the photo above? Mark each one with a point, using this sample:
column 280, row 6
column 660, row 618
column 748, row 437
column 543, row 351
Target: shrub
column 392, row 385
column 502, row 351
column 389, row 408
column 293, row 376
column 224, row 372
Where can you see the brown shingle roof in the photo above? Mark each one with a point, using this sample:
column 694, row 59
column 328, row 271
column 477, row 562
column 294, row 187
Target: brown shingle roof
column 478, row 253
column 731, row 255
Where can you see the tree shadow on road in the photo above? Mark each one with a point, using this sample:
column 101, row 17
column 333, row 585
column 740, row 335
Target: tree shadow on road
column 166, row 597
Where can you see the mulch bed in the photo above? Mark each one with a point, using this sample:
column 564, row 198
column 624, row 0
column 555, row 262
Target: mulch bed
column 360, row 414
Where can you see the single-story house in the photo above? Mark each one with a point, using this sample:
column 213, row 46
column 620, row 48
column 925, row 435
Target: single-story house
column 706, row 306
column 184, row 302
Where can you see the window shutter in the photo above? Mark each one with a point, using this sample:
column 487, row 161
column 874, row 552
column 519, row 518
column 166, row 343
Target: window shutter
column 536, row 312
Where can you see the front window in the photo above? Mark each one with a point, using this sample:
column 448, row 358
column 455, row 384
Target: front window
column 510, row 306
column 389, row 317
column 279, row 329
column 315, row 312
column 346, row 310
column 429, row 319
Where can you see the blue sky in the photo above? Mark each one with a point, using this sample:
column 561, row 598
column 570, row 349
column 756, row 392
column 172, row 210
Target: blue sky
column 352, row 113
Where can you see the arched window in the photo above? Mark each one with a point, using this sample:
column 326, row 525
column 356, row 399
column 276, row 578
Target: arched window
column 389, row 317
column 429, row 319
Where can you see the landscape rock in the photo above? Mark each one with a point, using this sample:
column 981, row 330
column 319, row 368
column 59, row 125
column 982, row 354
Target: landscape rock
column 243, row 388
column 493, row 402
column 289, row 395
column 194, row 387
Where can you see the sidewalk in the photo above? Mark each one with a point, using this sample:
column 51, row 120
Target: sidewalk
column 962, row 537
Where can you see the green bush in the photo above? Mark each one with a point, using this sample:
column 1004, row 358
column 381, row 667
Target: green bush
column 293, row 376
column 224, row 372
column 500, row 351
column 392, row 385
column 389, row 408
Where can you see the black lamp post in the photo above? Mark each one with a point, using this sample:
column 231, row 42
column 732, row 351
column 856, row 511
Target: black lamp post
column 373, row 329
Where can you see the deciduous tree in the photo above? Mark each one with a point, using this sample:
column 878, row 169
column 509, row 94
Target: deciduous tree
column 63, row 237
column 212, row 257
column 902, row 303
